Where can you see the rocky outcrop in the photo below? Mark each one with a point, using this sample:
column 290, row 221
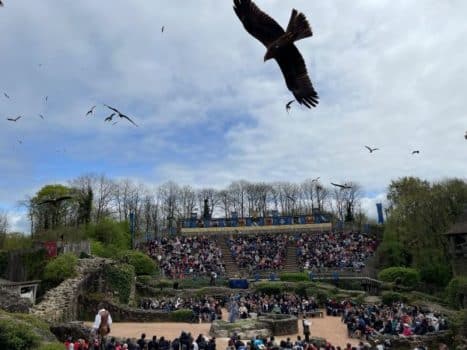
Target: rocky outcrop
column 60, row 304
column 12, row 303
column 75, row 330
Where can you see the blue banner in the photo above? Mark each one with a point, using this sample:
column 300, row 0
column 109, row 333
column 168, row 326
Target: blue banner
column 379, row 208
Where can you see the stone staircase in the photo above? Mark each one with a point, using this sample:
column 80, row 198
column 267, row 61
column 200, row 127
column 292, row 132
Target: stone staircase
column 291, row 260
column 231, row 268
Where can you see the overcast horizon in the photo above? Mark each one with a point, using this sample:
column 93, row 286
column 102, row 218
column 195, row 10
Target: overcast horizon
column 390, row 74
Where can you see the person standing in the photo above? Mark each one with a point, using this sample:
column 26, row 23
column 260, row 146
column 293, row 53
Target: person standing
column 306, row 329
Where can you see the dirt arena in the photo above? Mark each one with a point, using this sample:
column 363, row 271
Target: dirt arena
column 330, row 328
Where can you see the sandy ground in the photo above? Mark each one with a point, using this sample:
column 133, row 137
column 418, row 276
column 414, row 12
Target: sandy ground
column 330, row 328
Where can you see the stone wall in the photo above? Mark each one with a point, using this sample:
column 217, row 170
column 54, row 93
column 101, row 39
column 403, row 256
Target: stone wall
column 10, row 302
column 61, row 303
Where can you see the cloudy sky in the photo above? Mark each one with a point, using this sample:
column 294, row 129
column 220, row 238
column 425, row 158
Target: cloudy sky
column 390, row 74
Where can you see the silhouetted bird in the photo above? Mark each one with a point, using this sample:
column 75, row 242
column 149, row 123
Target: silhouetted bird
column 345, row 186
column 109, row 118
column 20, row 142
column 46, row 99
column 315, row 179
column 416, row 152
column 6, row 95
column 1, row 3
column 40, row 115
column 371, row 149
column 14, row 119
column 121, row 115
column 162, row 29
column 465, row 136
column 287, row 106
column 91, row 111
column 280, row 46
column 55, row 201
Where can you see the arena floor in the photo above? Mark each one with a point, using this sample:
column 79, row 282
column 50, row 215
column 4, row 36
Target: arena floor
column 330, row 328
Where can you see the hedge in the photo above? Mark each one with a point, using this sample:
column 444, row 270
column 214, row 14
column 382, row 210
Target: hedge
column 406, row 276
column 17, row 336
column 51, row 346
column 269, row 288
column 457, row 290
column 182, row 315
column 120, row 278
column 61, row 268
column 389, row 297
column 294, row 276
column 142, row 263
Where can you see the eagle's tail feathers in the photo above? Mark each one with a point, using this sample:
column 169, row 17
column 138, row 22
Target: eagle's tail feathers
column 299, row 26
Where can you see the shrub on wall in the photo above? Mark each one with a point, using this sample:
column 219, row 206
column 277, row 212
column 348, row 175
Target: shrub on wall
column 389, row 297
column 142, row 263
column 51, row 346
column 269, row 288
column 182, row 315
column 294, row 276
column 61, row 268
column 457, row 292
column 120, row 278
column 405, row 276
column 17, row 336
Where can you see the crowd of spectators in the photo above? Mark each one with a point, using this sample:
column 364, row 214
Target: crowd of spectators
column 261, row 252
column 367, row 321
column 206, row 309
column 183, row 256
column 335, row 250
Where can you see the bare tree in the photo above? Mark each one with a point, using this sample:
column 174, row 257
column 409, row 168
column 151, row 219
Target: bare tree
column 3, row 227
column 168, row 194
column 187, row 201
column 237, row 191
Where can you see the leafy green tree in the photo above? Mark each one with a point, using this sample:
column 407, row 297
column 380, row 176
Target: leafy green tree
column 142, row 263
column 61, row 268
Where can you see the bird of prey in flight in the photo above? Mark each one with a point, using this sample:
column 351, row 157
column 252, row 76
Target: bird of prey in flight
column 315, row 179
column 14, row 119
column 371, row 149
column 121, row 115
column 280, row 46
column 46, row 99
column 343, row 187
column 91, row 111
column 287, row 106
column 162, row 29
column 6, row 95
column 55, row 201
column 109, row 118
column 465, row 136
column 416, row 152
column 40, row 115
column 1, row 3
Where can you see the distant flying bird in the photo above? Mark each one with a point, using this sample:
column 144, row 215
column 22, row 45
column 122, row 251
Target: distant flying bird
column 6, row 95
column 46, row 99
column 1, row 3
column 20, row 142
column 91, row 111
column 371, row 149
column 109, row 118
column 315, row 179
column 280, row 46
column 465, row 136
column 40, row 115
column 287, row 106
column 416, row 152
column 55, row 201
column 14, row 119
column 345, row 186
column 162, row 29
column 121, row 115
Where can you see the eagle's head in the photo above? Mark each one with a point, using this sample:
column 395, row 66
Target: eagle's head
column 271, row 52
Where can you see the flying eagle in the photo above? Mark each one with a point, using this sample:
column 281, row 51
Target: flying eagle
column 55, row 201
column 1, row 3
column 14, row 119
column 416, row 152
column 343, row 187
column 121, row 115
column 371, row 149
column 91, row 111
column 280, row 46
column 288, row 105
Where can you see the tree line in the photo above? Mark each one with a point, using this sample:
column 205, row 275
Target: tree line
column 95, row 197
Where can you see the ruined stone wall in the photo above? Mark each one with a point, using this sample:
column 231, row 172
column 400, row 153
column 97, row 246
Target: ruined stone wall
column 61, row 303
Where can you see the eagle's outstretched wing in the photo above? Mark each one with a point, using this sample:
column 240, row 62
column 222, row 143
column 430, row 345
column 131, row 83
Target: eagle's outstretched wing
column 256, row 22
column 296, row 76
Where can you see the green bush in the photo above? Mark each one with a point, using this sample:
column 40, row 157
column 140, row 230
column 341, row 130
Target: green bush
column 269, row 288
column 61, row 268
column 404, row 276
column 392, row 253
column 163, row 283
column 110, row 232
column 104, row 250
column 293, row 277
column 389, row 297
column 436, row 273
column 181, row 315
column 120, row 278
column 457, row 292
column 142, row 263
column 17, row 336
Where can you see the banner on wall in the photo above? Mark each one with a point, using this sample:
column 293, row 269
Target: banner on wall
column 51, row 248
